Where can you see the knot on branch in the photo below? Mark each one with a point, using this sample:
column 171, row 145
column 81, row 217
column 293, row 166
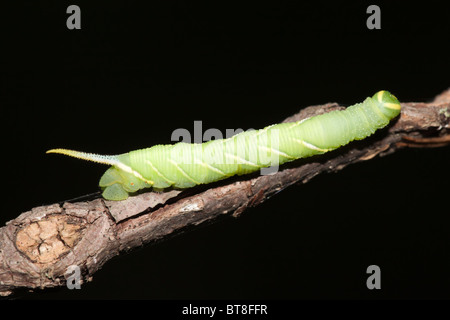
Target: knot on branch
column 47, row 240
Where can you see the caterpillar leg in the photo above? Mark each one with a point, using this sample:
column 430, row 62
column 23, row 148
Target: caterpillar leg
column 117, row 184
column 115, row 192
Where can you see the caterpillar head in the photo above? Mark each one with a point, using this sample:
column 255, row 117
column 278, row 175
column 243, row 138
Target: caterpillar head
column 387, row 103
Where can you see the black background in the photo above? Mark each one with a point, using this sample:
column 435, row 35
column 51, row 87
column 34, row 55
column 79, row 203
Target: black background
column 137, row 70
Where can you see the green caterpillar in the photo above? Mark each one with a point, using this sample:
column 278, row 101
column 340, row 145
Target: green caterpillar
column 184, row 165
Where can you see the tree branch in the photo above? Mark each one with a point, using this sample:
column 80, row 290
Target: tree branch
column 37, row 247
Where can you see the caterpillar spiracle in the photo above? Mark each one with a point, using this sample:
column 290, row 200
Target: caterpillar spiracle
column 184, row 165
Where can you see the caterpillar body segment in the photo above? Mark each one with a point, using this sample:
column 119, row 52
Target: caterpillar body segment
column 184, row 165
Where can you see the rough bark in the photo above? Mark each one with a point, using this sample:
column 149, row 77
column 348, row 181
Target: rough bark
column 38, row 246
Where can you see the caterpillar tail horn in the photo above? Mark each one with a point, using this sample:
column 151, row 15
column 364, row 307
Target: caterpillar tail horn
column 118, row 180
column 103, row 159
